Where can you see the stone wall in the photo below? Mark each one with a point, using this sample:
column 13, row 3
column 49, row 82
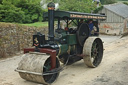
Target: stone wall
column 112, row 28
column 14, row 37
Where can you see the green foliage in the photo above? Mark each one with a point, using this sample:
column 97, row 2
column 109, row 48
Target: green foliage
column 126, row 3
column 33, row 12
column 14, row 2
column 122, row 0
column 21, row 11
column 77, row 5
column 0, row 1
column 108, row 1
column 98, row 9
column 37, row 24
column 9, row 13
column 31, row 1
column 9, row 2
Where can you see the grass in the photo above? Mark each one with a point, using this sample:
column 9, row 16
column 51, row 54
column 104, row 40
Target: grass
column 37, row 24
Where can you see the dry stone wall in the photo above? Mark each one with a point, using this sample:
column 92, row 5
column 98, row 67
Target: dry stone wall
column 111, row 28
column 14, row 37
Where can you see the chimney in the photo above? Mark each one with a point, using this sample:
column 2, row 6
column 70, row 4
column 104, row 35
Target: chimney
column 51, row 7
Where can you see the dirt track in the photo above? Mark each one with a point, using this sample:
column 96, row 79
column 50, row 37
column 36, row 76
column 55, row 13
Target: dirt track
column 112, row 71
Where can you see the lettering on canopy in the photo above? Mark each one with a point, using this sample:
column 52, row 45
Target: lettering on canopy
column 87, row 16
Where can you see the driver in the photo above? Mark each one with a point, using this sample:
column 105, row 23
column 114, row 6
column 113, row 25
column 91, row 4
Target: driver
column 90, row 24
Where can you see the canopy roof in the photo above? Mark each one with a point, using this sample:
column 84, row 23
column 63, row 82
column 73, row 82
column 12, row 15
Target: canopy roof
column 76, row 15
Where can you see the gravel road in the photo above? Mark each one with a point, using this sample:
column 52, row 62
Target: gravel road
column 113, row 69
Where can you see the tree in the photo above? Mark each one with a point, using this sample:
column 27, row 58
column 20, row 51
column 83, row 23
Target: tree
column 125, row 3
column 77, row 5
column 0, row 1
column 33, row 12
column 10, row 13
column 108, row 1
column 14, row 2
column 21, row 11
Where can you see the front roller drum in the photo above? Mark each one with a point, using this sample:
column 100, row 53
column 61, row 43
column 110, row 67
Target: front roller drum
column 93, row 51
column 33, row 66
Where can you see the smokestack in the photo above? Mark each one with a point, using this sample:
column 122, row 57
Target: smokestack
column 51, row 7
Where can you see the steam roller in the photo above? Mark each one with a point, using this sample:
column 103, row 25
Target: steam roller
column 41, row 63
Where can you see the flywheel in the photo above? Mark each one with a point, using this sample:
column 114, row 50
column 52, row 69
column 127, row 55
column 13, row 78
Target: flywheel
column 83, row 33
column 33, row 67
column 93, row 51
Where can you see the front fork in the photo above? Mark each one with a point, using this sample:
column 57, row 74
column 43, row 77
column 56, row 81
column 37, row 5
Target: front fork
column 47, row 51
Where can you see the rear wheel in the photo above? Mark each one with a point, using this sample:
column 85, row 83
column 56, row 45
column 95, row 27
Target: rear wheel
column 93, row 51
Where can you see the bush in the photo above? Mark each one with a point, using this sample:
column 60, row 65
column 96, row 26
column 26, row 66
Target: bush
column 108, row 1
column 20, row 12
column 33, row 12
column 125, row 3
column 9, row 13
column 79, row 5
column 98, row 9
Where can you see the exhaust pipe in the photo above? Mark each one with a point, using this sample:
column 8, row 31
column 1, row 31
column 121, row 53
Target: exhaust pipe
column 51, row 7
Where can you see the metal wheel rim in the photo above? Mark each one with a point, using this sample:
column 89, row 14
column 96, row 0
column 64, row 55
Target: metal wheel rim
column 96, row 53
column 50, row 78
column 93, row 51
